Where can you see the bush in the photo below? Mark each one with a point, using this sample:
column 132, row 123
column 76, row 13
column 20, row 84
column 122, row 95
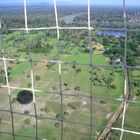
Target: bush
column 11, row 62
column 74, row 65
column 113, row 86
column 50, row 65
column 1, row 79
column 66, row 113
column 29, row 85
column 78, row 70
column 67, row 88
column 14, row 100
column 65, row 84
column 71, row 106
column 77, row 88
column 9, row 78
column 26, row 112
column 102, row 102
column 37, row 78
column 28, row 75
column 54, row 88
column 58, row 116
column 57, row 124
column 136, row 83
column 27, row 121
column 138, row 92
column 46, row 109
column 9, row 68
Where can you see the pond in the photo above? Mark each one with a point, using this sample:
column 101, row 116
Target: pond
column 112, row 33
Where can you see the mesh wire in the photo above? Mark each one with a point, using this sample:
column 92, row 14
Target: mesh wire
column 124, row 100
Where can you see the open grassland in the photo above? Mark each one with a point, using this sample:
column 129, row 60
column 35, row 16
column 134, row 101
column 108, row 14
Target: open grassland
column 132, row 114
column 75, row 79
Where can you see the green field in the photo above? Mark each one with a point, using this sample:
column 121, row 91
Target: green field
column 75, row 79
column 85, row 58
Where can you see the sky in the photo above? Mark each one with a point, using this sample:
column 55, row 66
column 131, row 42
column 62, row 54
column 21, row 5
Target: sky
column 96, row 2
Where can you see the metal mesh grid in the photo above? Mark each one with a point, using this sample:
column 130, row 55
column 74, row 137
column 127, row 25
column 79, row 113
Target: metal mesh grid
column 123, row 101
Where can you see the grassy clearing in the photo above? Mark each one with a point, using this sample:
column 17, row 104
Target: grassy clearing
column 102, row 113
column 76, row 132
column 85, row 58
column 132, row 117
column 135, row 84
column 70, row 76
column 128, row 136
column 7, row 137
column 115, row 135
column 75, row 79
column 2, row 97
column 28, row 130
column 19, row 69
column 103, row 89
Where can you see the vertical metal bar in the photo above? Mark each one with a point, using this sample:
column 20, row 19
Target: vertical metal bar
column 9, row 95
column 56, row 20
column 126, row 90
column 60, row 74
column 31, row 70
column 8, row 86
column 89, row 25
column 25, row 16
column 59, row 67
column 61, row 96
column 34, row 100
column 91, row 68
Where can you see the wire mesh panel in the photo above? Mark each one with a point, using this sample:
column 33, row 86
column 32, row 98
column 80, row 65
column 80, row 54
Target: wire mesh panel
column 70, row 75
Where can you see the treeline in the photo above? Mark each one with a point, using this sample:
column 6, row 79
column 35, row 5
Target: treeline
column 71, row 41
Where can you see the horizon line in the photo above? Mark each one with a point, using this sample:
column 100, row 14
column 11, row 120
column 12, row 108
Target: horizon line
column 63, row 4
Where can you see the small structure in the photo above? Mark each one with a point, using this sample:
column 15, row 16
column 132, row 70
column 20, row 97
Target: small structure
column 84, row 103
column 118, row 61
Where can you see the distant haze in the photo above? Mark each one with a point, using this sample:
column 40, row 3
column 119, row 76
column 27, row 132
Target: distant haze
column 71, row 2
